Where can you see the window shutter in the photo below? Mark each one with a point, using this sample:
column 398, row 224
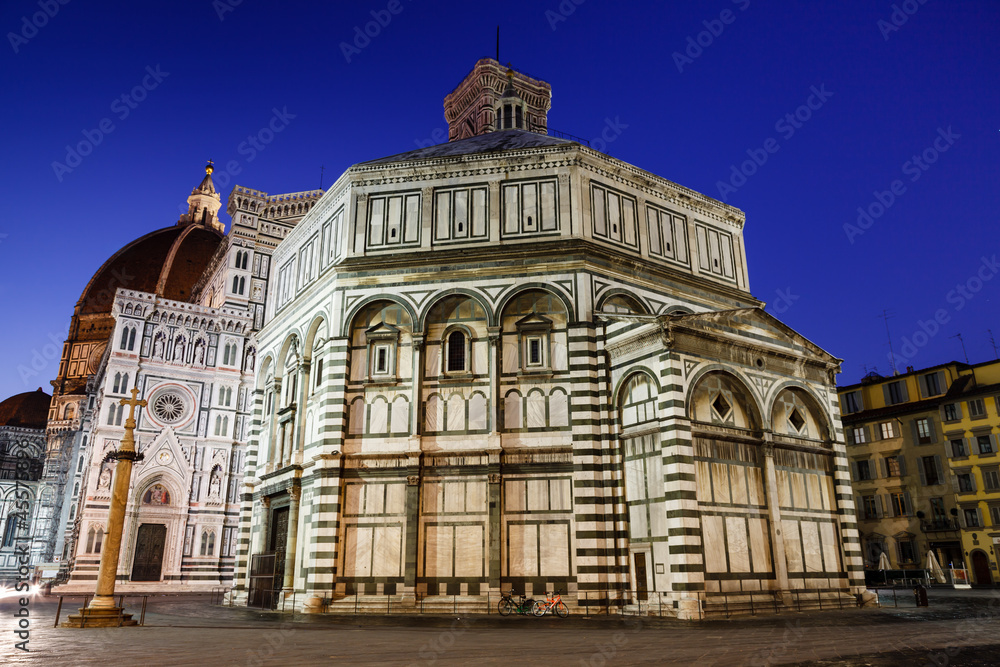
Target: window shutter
column 878, row 506
column 972, row 481
column 849, row 434
column 922, row 381
column 932, row 427
column 940, row 470
column 909, row 503
column 881, row 467
column 971, row 446
column 941, row 382
column 916, row 433
column 903, row 391
column 902, row 465
column 885, row 394
column 860, row 508
column 923, row 475
column 854, row 471
column 954, row 483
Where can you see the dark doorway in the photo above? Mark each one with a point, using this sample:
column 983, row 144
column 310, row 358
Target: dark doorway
column 149, row 552
column 277, row 541
column 640, row 577
column 981, row 568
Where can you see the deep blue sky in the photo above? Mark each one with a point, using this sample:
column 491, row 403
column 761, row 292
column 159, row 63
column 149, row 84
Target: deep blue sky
column 607, row 62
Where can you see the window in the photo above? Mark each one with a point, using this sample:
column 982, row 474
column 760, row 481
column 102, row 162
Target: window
column 995, row 515
column 860, row 436
column 905, row 549
column 10, row 530
column 852, row 402
column 895, row 392
column 966, row 484
column 972, row 518
column 958, row 449
column 888, row 430
column 864, row 469
column 228, row 545
column 382, row 341
column 952, row 412
column 319, row 372
column 898, row 504
column 534, row 351
column 456, row 352
column 991, row 480
column 929, row 470
column 924, row 433
column 98, row 540
column 895, row 466
column 977, row 410
column 381, row 366
column 930, row 384
column 985, row 444
column 207, row 543
column 938, row 516
column 870, row 507
column 128, row 339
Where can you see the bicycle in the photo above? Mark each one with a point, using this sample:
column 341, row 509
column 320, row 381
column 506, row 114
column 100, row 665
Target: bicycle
column 552, row 604
column 509, row 605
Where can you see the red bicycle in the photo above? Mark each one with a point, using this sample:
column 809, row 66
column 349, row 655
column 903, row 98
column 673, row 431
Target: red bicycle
column 552, row 604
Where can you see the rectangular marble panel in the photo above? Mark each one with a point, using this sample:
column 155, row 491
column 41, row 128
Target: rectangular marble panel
column 720, row 482
column 481, row 357
column 703, row 476
column 432, row 360
column 433, row 414
column 356, row 424
column 559, row 360
column 456, row 413
column 739, row 549
column 479, row 212
column 815, row 495
column 831, row 547
column 538, row 494
column 536, row 410
column 460, row 224
column 522, row 552
column 738, row 483
column 375, row 221
column 378, row 417
column 400, row 422
column 755, row 492
column 653, row 227
column 798, row 489
column 555, row 553
column 614, row 217
column 511, row 209
column 628, row 221
column 352, row 498
column 475, row 496
column 514, row 496
column 469, row 551
column 438, row 554
column 477, row 412
column 813, row 552
column 374, row 498
column 784, row 497
column 411, row 231
column 529, row 207
column 358, row 370
column 387, row 551
column 394, row 221
column 638, row 522
column 404, row 364
column 454, row 496
column 760, row 545
column 433, row 497
column 511, row 360
column 548, row 213
column 560, row 494
column 714, row 543
column 358, row 551
column 395, row 498
column 442, row 215
column 793, row 544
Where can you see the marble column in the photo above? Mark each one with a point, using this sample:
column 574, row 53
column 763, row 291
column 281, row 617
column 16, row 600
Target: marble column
column 294, row 494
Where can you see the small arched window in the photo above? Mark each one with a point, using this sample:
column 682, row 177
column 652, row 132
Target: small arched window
column 456, row 351
column 131, row 340
column 236, row 284
column 90, row 540
column 124, row 342
column 98, row 540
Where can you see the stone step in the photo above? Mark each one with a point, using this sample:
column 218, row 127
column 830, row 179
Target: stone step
column 99, row 618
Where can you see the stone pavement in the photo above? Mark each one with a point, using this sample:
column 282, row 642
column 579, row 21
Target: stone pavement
column 960, row 628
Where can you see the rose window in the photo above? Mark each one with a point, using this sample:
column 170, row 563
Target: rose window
column 168, row 408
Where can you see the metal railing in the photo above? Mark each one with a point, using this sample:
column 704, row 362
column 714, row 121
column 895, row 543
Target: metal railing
column 121, row 608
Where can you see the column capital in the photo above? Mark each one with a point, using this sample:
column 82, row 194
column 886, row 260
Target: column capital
column 295, row 492
column 413, row 480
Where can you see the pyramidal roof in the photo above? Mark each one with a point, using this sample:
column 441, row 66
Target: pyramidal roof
column 492, row 142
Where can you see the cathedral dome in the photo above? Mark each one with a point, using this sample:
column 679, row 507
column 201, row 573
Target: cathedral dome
column 27, row 410
column 167, row 262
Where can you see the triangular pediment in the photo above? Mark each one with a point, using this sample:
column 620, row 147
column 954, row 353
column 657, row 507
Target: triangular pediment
column 751, row 326
column 164, row 454
column 534, row 321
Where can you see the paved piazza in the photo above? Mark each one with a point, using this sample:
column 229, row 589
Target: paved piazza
column 957, row 629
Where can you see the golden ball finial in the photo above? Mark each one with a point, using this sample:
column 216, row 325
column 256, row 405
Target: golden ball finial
column 210, row 167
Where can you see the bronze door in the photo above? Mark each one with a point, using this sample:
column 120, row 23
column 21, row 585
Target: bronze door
column 640, row 576
column 149, row 552
column 279, row 538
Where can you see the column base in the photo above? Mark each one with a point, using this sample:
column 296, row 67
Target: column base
column 99, row 618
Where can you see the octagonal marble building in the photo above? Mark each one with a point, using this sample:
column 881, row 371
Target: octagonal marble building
column 511, row 361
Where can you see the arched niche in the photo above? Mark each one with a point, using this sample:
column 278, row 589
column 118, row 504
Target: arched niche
column 796, row 413
column 720, row 398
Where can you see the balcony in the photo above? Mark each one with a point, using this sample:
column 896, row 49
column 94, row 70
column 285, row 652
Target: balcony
column 939, row 525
